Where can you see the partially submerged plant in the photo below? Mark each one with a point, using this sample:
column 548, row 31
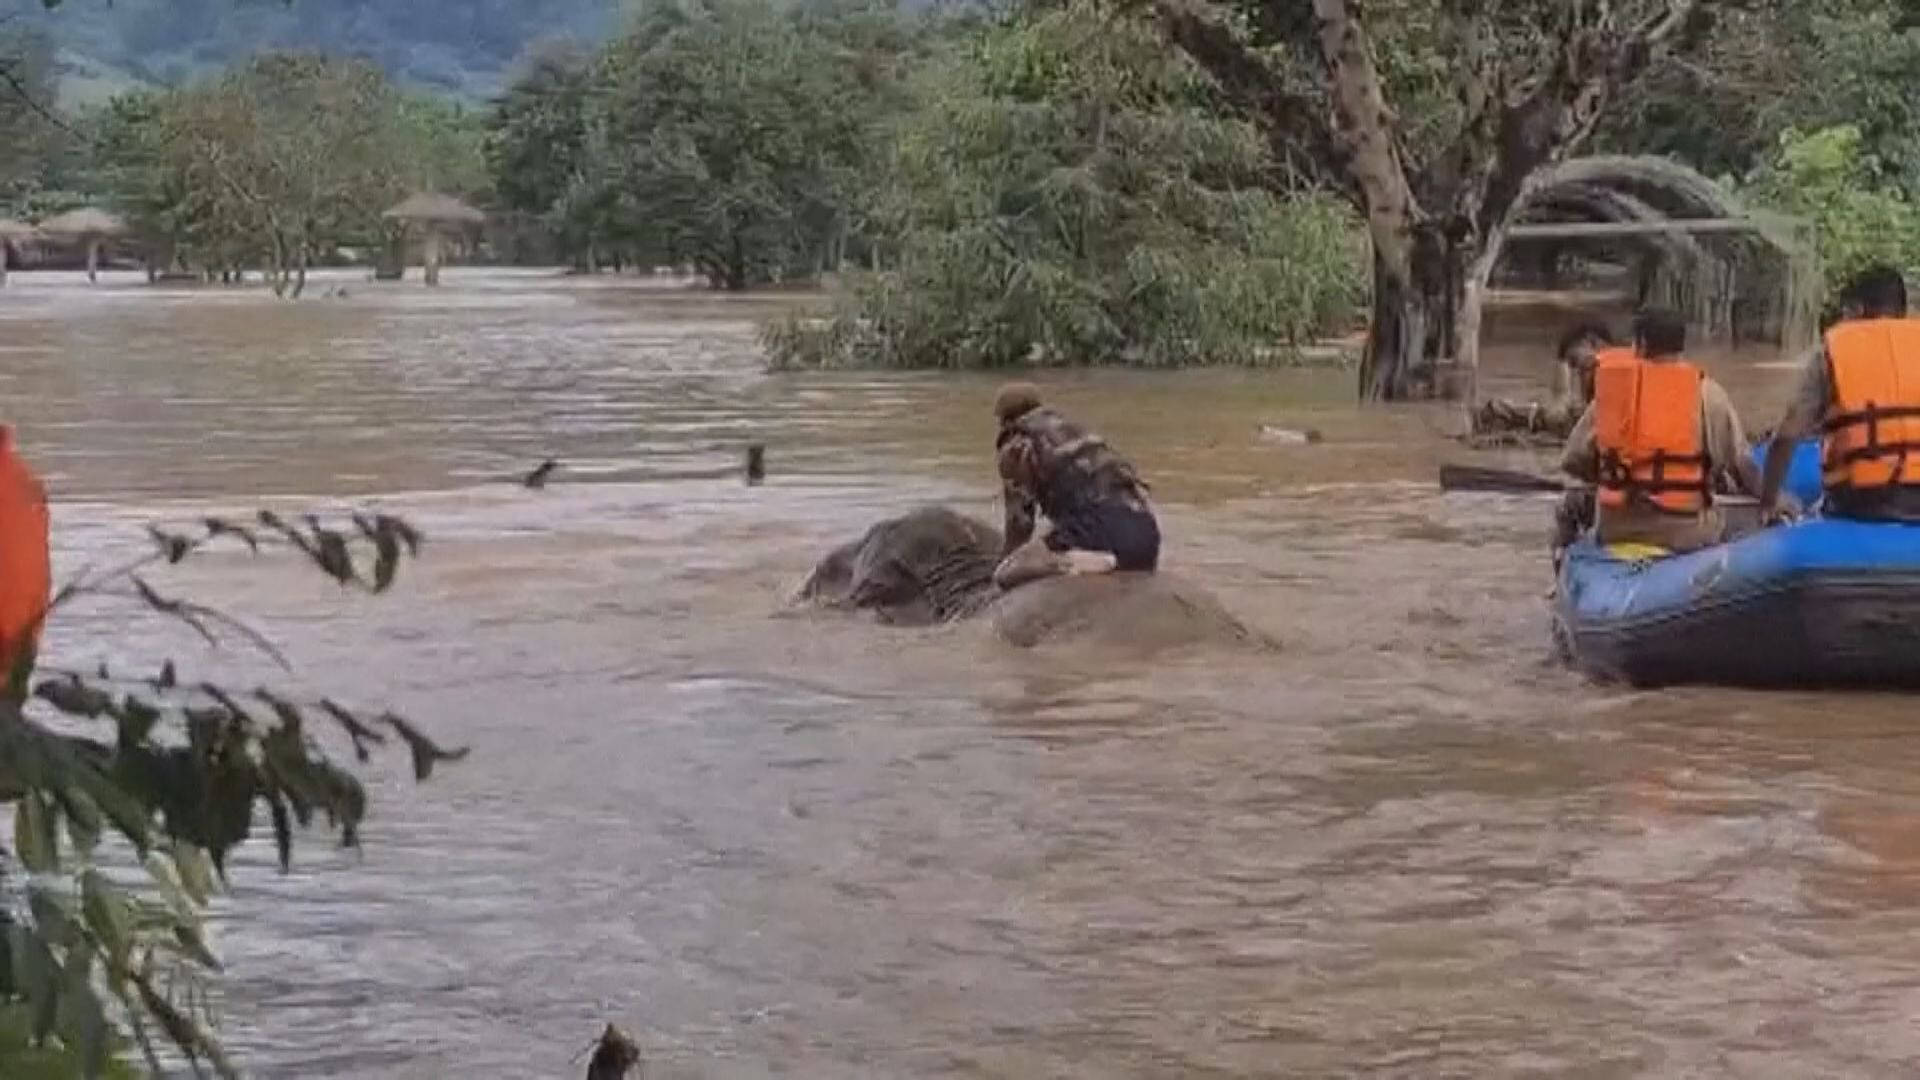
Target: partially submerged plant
column 172, row 772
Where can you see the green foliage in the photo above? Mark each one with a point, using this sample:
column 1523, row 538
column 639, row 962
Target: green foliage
column 1066, row 193
column 438, row 145
column 1767, row 66
column 731, row 133
column 167, row 776
column 537, row 131
column 278, row 162
column 1830, row 180
column 1867, row 75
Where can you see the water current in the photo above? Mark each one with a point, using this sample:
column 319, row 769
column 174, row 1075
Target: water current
column 1408, row 844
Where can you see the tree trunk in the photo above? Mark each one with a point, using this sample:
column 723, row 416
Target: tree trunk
column 278, row 271
column 1432, row 222
column 93, row 260
column 1423, row 341
column 300, row 271
column 737, row 266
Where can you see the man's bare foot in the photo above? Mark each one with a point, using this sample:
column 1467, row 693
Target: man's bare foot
column 1090, row 562
column 1030, row 563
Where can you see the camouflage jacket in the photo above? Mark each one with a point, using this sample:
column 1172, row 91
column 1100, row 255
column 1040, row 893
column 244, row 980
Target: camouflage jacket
column 1052, row 465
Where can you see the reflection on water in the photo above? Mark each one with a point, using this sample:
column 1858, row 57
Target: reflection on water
column 1407, row 844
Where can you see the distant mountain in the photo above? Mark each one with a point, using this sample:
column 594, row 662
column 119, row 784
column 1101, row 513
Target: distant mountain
column 461, row 47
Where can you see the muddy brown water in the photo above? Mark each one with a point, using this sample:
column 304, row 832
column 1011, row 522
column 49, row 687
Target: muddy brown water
column 1407, row 845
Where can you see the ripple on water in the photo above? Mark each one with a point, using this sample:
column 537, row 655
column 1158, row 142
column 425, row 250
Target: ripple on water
column 1405, row 844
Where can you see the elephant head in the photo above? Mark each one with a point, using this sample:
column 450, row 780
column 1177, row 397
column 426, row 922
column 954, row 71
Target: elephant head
column 935, row 565
column 930, row 565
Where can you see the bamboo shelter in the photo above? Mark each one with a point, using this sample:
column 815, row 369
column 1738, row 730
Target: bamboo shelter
column 89, row 225
column 1684, row 241
column 435, row 215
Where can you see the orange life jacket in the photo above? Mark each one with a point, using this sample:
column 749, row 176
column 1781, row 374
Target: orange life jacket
column 1873, row 415
column 26, row 570
column 1646, row 424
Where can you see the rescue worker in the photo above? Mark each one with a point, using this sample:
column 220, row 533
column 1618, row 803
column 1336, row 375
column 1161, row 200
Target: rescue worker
column 1578, row 351
column 1860, row 390
column 1098, row 516
column 1659, row 433
column 26, row 572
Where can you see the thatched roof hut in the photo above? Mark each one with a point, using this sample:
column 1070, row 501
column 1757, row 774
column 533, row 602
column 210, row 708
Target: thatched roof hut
column 90, row 225
column 432, row 208
column 436, row 214
column 84, row 222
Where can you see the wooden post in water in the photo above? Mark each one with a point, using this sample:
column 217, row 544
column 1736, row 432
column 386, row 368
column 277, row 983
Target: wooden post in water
column 615, row 1056
column 756, row 463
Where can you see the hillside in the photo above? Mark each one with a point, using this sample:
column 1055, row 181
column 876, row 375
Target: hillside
column 461, row 47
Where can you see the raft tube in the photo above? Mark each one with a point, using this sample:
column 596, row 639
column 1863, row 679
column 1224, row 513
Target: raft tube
column 1803, row 473
column 1822, row 603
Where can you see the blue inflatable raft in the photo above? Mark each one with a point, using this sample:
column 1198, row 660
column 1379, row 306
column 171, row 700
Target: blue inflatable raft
column 1822, row 603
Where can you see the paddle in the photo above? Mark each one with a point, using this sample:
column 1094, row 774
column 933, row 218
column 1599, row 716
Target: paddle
column 1515, row 482
column 1508, row 481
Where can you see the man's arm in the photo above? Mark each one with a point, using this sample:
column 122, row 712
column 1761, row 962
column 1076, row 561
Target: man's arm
column 1014, row 458
column 1020, row 516
column 1804, row 414
column 1581, row 459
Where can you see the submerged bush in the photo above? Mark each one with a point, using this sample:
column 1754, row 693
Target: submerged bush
column 1065, row 193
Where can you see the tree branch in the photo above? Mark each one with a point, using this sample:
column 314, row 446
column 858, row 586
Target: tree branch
column 1296, row 124
column 1365, row 136
column 11, row 80
column 1560, row 111
column 1661, row 28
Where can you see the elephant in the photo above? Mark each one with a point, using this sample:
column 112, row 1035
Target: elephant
column 935, row 565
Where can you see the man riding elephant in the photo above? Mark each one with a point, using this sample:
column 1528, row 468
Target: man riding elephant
column 1098, row 516
column 934, row 565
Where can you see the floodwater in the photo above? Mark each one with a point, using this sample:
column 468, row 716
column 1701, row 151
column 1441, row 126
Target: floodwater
column 1406, row 845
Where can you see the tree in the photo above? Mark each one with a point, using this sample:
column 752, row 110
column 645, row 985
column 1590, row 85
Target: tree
column 302, row 146
column 1428, row 115
column 732, row 126
column 438, row 145
column 1830, row 180
column 105, row 772
column 1063, row 192
column 280, row 162
column 537, row 131
column 127, row 160
column 537, row 143
column 1771, row 65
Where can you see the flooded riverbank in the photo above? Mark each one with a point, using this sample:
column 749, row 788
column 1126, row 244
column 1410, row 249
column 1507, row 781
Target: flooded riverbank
column 1408, row 844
